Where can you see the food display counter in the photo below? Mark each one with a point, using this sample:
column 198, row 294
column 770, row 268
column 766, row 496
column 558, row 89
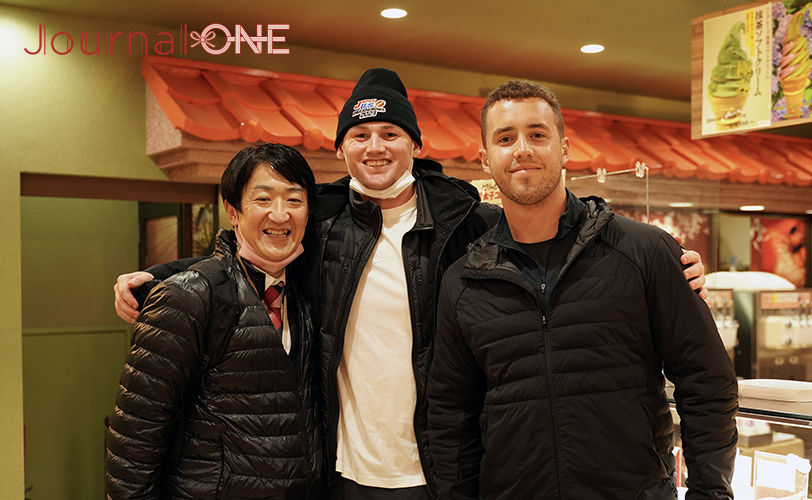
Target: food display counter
column 775, row 440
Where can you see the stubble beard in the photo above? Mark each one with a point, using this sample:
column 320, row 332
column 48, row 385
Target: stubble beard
column 521, row 195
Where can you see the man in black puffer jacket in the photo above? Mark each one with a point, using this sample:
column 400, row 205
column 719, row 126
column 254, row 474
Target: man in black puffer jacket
column 553, row 334
column 250, row 427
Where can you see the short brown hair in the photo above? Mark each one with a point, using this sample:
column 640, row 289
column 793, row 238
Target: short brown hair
column 522, row 89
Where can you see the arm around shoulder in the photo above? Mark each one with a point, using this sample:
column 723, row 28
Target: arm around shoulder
column 131, row 289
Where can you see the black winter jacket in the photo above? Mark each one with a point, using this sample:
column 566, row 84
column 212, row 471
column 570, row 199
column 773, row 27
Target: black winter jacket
column 449, row 217
column 567, row 401
column 251, row 430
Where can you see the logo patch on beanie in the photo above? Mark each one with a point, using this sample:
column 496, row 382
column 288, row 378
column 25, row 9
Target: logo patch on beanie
column 368, row 108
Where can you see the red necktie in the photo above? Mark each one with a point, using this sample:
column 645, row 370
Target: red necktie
column 273, row 304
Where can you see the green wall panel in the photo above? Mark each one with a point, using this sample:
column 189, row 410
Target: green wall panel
column 70, row 383
column 72, row 251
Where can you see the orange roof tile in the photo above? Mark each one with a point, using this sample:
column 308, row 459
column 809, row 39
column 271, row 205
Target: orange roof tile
column 223, row 103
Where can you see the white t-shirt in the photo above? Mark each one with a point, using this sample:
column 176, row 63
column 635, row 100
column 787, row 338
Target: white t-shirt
column 376, row 384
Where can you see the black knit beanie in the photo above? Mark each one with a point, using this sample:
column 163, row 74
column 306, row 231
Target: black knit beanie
column 379, row 96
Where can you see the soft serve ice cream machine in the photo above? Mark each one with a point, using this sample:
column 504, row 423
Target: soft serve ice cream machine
column 721, row 305
column 775, row 334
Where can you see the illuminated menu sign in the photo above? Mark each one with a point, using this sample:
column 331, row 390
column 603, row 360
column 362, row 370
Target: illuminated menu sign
column 751, row 68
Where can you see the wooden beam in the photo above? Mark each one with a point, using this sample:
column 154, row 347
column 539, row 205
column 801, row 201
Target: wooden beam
column 102, row 188
column 705, row 195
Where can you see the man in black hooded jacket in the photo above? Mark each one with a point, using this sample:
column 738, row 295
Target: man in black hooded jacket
column 552, row 336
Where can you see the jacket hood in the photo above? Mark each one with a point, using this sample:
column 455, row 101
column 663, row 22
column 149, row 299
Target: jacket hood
column 596, row 214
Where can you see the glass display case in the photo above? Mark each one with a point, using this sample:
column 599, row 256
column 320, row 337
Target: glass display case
column 775, row 440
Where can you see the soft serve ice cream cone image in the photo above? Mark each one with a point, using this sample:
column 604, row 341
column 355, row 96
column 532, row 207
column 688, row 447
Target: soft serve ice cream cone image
column 793, row 70
column 730, row 81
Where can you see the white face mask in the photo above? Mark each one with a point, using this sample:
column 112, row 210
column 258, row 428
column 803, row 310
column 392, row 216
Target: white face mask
column 401, row 185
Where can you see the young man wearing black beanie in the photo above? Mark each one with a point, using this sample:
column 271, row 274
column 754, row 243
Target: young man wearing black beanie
column 391, row 228
column 382, row 238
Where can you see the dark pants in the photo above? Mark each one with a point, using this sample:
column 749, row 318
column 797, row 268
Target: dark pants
column 350, row 490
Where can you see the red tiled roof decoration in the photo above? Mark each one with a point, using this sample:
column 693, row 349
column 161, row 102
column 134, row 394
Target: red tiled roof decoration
column 224, row 103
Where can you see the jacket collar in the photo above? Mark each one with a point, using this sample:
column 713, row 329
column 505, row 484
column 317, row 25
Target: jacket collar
column 571, row 217
column 445, row 200
column 589, row 215
column 226, row 245
column 226, row 249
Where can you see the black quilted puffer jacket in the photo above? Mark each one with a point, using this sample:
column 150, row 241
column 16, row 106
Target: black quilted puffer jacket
column 565, row 400
column 251, row 427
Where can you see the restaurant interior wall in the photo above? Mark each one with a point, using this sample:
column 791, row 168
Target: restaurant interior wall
column 747, row 244
column 60, row 115
column 73, row 343
column 734, row 241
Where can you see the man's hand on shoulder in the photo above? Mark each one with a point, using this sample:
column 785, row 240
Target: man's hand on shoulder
column 695, row 273
column 126, row 304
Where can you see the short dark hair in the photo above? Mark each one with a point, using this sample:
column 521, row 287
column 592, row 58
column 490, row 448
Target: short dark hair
column 284, row 159
column 521, row 89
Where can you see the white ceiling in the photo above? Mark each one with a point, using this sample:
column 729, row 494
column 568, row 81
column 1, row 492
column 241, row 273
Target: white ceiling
column 647, row 42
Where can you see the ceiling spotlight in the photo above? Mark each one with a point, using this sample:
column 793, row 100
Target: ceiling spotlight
column 592, row 48
column 681, row 204
column 751, row 208
column 393, row 13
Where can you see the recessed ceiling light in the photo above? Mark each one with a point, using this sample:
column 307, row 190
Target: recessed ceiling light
column 751, row 208
column 682, row 204
column 592, row 48
column 809, row 211
column 393, row 13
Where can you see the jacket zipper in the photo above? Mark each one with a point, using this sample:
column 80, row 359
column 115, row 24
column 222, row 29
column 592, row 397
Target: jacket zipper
column 547, row 354
column 553, row 405
column 303, row 407
column 417, row 334
column 519, row 280
column 366, row 251
column 306, row 439
column 419, row 392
